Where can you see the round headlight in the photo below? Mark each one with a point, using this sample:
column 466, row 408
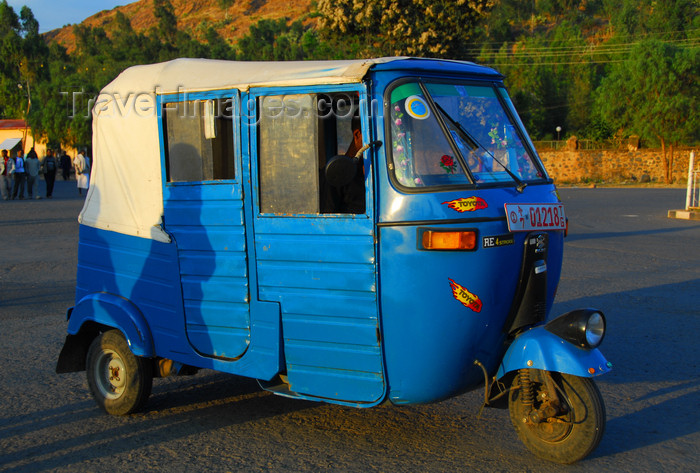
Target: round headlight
column 595, row 329
column 585, row 328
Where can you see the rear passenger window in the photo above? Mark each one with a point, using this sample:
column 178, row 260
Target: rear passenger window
column 199, row 140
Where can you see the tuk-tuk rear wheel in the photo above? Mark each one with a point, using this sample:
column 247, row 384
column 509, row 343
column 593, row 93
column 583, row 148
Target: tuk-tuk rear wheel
column 119, row 381
column 576, row 428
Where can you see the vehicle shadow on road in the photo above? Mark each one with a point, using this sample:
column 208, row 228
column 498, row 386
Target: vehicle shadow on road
column 653, row 424
column 26, row 423
column 199, row 406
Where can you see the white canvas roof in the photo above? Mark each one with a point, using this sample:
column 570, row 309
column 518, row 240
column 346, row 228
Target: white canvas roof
column 126, row 193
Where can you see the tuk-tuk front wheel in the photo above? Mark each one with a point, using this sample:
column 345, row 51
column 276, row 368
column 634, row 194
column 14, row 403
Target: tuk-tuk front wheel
column 564, row 426
column 119, row 381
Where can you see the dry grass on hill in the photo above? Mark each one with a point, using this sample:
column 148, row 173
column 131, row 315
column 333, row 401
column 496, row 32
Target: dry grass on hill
column 231, row 23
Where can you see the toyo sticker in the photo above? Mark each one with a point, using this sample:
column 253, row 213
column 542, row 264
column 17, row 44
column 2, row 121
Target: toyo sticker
column 467, row 299
column 467, row 204
column 416, row 107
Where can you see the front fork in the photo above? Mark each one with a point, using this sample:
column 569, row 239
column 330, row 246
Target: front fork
column 548, row 400
column 550, row 405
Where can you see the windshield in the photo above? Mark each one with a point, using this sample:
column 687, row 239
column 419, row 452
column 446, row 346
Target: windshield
column 456, row 134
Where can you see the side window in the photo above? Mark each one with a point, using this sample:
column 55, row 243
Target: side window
column 288, row 147
column 199, row 140
column 297, row 135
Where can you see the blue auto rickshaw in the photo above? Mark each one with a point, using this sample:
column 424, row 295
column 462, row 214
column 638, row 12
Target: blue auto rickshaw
column 354, row 232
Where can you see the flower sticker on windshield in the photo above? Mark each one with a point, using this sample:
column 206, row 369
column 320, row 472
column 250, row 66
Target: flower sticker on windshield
column 497, row 140
column 448, row 164
column 417, row 108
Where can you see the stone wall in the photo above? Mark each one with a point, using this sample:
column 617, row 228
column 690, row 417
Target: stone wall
column 615, row 166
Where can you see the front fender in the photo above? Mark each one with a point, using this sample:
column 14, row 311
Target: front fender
column 539, row 349
column 114, row 311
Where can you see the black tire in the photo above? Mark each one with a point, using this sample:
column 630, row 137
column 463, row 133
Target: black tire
column 565, row 438
column 119, row 381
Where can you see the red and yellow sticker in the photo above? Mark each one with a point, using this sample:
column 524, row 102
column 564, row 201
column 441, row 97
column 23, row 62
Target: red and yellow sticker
column 467, row 204
column 468, row 299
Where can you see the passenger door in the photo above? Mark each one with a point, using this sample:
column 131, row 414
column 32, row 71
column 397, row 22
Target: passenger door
column 203, row 213
column 312, row 255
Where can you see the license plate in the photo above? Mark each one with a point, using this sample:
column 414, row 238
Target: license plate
column 527, row 217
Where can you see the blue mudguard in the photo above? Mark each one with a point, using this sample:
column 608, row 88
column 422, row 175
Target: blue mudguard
column 539, row 349
column 114, row 311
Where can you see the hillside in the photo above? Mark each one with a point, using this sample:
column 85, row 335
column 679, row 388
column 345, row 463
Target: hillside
column 572, row 66
column 231, row 23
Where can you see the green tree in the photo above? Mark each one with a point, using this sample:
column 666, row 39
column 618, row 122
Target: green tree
column 277, row 40
column 547, row 61
column 11, row 52
column 127, row 45
column 167, row 21
column 654, row 94
column 53, row 110
column 25, row 64
column 575, row 76
column 677, row 19
column 437, row 28
column 218, row 47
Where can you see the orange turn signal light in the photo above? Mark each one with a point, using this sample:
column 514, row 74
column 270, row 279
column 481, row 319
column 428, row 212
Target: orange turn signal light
column 452, row 240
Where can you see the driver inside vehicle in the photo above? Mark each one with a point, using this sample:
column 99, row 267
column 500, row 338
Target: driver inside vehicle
column 350, row 198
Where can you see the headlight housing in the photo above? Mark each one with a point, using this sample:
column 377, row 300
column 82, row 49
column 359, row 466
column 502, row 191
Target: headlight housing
column 584, row 328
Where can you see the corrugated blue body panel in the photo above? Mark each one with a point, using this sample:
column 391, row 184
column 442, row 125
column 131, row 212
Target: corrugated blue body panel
column 226, row 263
column 326, row 248
column 221, row 237
column 140, row 270
column 315, row 275
column 145, row 273
column 332, row 329
column 218, row 314
column 322, row 272
column 214, row 289
column 206, row 222
column 334, row 384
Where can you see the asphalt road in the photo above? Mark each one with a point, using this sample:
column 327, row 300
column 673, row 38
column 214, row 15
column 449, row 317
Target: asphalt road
column 623, row 255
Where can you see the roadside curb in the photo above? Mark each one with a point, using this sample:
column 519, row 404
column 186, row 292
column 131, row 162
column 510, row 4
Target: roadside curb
column 684, row 214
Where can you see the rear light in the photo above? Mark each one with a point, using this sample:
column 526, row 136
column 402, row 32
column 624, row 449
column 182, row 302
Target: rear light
column 448, row 240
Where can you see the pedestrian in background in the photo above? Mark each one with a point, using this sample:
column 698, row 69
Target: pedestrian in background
column 88, row 163
column 82, row 169
column 49, row 167
column 20, row 177
column 65, row 165
column 7, row 165
column 31, row 167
